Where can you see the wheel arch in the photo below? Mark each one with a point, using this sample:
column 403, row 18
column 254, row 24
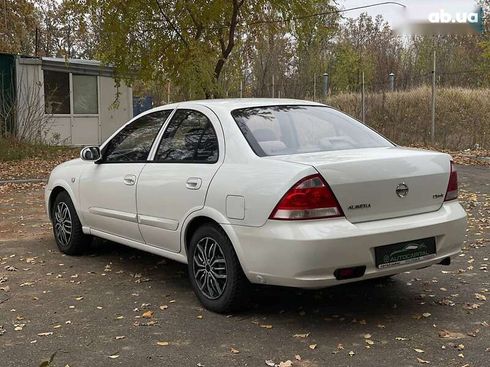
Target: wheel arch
column 197, row 219
column 59, row 187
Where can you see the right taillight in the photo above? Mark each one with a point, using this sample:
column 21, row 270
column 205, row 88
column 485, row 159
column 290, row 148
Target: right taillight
column 310, row 198
column 452, row 186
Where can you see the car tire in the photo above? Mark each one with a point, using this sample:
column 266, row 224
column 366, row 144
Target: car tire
column 67, row 228
column 211, row 256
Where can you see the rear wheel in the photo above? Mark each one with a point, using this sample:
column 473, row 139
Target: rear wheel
column 67, row 228
column 214, row 270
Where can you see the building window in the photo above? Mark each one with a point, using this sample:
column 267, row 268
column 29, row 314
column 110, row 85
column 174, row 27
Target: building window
column 57, row 92
column 85, row 94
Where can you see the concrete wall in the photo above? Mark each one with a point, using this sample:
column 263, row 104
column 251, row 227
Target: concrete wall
column 30, row 99
column 112, row 118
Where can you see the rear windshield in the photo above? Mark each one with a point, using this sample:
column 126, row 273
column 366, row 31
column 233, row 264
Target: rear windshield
column 280, row 130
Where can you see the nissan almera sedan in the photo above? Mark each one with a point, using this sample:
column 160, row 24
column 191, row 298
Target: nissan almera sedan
column 269, row 191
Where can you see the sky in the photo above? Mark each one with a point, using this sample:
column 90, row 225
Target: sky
column 416, row 9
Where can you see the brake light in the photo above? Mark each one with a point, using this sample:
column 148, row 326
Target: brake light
column 452, row 186
column 310, row 198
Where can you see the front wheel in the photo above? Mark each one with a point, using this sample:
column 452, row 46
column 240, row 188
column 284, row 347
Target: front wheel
column 215, row 272
column 67, row 228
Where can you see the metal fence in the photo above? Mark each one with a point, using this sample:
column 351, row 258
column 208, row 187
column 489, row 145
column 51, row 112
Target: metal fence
column 446, row 110
column 428, row 110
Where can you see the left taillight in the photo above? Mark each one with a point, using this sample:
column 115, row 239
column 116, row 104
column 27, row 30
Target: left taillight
column 310, row 198
column 452, row 186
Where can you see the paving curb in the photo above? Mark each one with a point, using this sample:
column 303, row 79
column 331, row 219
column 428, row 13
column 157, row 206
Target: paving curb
column 21, row 181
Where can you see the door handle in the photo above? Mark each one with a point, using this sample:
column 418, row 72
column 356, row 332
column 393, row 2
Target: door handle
column 193, row 183
column 129, row 180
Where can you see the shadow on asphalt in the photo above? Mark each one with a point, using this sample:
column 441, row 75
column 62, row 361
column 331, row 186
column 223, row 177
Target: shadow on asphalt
column 375, row 299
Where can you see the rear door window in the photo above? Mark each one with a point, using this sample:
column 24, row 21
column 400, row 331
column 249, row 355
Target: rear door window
column 189, row 138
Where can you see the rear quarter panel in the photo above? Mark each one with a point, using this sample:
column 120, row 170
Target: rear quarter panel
column 260, row 181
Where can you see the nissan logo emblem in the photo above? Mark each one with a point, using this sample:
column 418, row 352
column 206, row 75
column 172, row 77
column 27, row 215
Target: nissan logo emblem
column 402, row 190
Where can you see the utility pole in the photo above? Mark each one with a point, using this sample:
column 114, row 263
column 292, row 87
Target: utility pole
column 168, row 91
column 314, row 88
column 241, row 88
column 36, row 48
column 363, row 96
column 325, row 85
column 433, row 130
column 273, row 86
column 392, row 82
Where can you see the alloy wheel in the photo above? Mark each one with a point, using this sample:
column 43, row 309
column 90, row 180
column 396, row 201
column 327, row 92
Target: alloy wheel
column 63, row 223
column 209, row 268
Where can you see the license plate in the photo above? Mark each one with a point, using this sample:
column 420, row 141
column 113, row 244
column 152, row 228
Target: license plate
column 405, row 252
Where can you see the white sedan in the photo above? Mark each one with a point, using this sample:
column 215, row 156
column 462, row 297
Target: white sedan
column 268, row 191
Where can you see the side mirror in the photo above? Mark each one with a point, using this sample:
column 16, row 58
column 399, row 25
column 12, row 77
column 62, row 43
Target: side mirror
column 90, row 154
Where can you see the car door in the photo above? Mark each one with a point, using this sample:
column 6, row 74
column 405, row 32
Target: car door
column 175, row 182
column 108, row 187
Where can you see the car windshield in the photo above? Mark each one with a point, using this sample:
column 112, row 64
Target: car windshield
column 281, row 130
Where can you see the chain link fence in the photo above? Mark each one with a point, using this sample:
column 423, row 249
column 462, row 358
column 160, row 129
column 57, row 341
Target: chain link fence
column 449, row 110
column 421, row 111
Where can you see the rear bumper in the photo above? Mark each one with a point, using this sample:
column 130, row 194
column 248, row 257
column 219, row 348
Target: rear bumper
column 306, row 254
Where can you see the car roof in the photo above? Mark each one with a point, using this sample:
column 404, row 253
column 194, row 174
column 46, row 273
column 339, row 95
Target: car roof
column 231, row 104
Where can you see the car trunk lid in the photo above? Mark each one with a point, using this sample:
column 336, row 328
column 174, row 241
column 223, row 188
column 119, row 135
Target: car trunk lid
column 381, row 183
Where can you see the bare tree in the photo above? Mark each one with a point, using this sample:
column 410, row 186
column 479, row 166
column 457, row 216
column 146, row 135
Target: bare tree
column 30, row 121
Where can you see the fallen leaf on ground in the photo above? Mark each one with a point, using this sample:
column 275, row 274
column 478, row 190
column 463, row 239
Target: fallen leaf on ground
column 266, row 326
column 451, row 335
column 480, row 297
column 114, row 356
column 162, row 343
column 270, row 363
column 148, row 314
column 419, row 350
column 301, row 335
column 471, row 306
column 288, row 363
column 420, row 360
column 312, row 346
column 234, row 351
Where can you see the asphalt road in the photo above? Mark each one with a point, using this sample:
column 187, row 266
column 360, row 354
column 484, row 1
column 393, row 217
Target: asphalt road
column 116, row 306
